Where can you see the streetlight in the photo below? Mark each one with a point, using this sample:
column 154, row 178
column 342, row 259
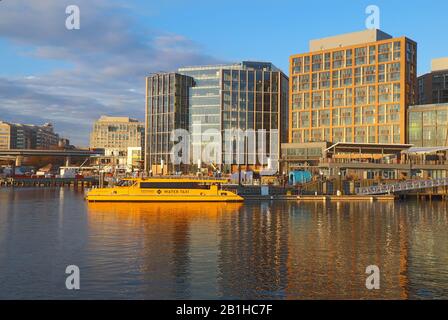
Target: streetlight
column 340, row 182
column 321, row 174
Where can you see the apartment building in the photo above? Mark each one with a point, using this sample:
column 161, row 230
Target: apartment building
column 433, row 86
column 353, row 88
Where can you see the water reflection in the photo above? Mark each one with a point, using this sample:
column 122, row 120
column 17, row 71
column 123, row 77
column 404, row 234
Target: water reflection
column 255, row 250
column 289, row 250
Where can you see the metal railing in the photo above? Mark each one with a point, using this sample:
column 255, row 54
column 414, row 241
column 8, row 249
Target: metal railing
column 402, row 186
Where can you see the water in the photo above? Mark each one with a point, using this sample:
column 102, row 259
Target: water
column 257, row 250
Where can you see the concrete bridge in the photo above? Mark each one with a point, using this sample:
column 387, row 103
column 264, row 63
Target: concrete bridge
column 17, row 155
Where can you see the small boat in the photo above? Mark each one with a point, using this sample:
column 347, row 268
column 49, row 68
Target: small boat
column 164, row 189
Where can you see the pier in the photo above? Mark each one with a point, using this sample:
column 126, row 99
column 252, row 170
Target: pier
column 48, row 182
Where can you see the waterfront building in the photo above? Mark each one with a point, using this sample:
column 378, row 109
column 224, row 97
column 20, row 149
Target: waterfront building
column 5, row 136
column 167, row 104
column 46, row 138
column 428, row 125
column 353, row 88
column 25, row 136
column 433, row 86
column 242, row 96
column 115, row 135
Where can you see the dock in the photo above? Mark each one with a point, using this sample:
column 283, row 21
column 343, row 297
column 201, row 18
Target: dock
column 320, row 198
column 49, row 182
column 347, row 198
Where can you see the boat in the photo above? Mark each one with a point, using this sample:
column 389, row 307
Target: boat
column 164, row 189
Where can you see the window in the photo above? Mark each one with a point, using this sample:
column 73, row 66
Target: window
column 317, row 62
column 338, row 59
column 360, row 56
column 317, row 100
column 360, row 96
column 338, row 98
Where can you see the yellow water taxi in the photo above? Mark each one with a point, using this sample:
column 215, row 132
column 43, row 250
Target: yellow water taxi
column 164, row 189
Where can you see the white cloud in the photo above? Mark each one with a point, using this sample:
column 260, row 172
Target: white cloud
column 107, row 57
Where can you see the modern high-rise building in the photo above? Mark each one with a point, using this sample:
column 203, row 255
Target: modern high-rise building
column 353, row 88
column 243, row 96
column 25, row 136
column 433, row 86
column 167, row 104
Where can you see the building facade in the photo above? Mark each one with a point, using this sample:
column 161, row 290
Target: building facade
column 115, row 135
column 167, row 104
column 353, row 88
column 243, row 96
column 5, row 136
column 428, row 125
column 24, row 136
column 433, row 86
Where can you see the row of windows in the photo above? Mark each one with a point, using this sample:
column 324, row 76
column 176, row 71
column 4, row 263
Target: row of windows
column 347, row 116
column 346, row 58
column 385, row 93
column 347, row 77
column 304, row 152
column 360, row 134
column 165, row 84
column 244, row 80
column 252, row 102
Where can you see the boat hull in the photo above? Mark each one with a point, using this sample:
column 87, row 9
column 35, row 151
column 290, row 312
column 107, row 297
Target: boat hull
column 164, row 190
column 161, row 198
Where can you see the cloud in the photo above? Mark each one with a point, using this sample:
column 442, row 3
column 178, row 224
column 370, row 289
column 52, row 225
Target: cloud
column 108, row 57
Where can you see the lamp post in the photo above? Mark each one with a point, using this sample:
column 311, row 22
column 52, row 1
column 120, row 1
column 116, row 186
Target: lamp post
column 321, row 174
column 340, row 181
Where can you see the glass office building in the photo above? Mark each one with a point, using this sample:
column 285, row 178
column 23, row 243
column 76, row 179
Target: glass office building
column 167, row 105
column 428, row 125
column 353, row 88
column 204, row 105
column 246, row 95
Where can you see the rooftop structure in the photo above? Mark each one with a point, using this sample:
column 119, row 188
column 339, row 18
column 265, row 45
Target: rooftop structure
column 348, row 39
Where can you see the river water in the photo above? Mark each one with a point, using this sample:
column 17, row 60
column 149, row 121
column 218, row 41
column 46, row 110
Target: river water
column 255, row 250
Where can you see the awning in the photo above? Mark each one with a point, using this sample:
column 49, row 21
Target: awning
column 368, row 148
column 423, row 150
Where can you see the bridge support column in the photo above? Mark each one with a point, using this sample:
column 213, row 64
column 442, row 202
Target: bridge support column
column 68, row 161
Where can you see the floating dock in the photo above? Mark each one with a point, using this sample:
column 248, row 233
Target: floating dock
column 319, row 198
column 48, row 182
column 347, row 198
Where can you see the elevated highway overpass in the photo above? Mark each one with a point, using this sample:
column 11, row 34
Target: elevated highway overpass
column 17, row 155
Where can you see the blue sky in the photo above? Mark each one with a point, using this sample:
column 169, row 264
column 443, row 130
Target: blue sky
column 70, row 78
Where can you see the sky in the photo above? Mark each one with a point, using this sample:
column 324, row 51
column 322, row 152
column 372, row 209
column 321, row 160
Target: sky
column 71, row 77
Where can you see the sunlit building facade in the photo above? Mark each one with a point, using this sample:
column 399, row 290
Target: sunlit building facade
column 433, row 86
column 428, row 125
column 27, row 136
column 115, row 135
column 353, row 88
column 167, row 103
column 246, row 95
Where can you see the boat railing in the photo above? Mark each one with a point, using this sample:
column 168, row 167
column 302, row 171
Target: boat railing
column 186, row 177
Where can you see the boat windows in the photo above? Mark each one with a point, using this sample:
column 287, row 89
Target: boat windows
column 125, row 183
column 172, row 185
